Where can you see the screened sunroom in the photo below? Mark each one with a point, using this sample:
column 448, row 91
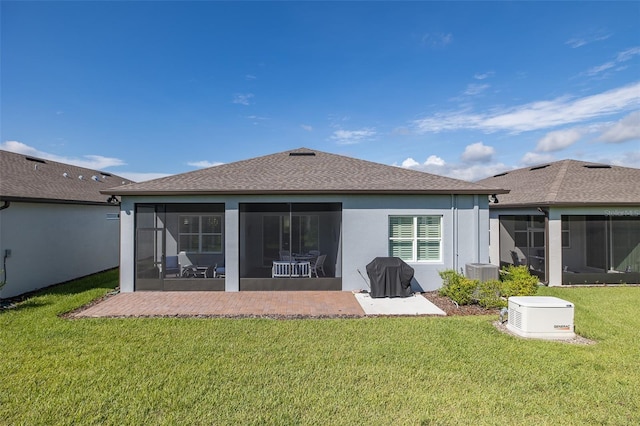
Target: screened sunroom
column 290, row 246
column 600, row 249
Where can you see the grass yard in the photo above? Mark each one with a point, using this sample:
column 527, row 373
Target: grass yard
column 374, row 371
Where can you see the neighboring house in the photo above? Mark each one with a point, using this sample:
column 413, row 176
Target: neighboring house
column 570, row 221
column 247, row 218
column 55, row 225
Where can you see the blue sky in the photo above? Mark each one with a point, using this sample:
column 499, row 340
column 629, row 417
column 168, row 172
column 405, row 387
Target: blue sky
column 463, row 89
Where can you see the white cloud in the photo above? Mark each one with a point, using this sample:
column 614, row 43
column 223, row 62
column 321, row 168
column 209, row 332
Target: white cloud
column 624, row 130
column 96, row 162
column 349, row 137
column 437, row 39
column 250, row 77
column 477, row 152
column 561, row 139
column 476, row 89
column 533, row 158
column 204, row 163
column 580, row 41
column 410, row 163
column 537, row 115
column 464, row 171
column 242, row 98
column 621, row 57
column 306, row 127
column 482, row 76
column 434, row 160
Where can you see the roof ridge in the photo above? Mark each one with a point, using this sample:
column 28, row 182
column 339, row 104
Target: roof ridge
column 552, row 195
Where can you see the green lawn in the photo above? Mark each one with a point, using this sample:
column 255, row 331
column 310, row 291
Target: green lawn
column 377, row 371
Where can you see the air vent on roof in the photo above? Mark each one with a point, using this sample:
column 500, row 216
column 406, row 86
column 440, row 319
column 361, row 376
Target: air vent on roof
column 302, row 154
column 597, row 166
column 539, row 167
column 105, row 174
column 37, row 160
column 501, row 174
column 65, row 174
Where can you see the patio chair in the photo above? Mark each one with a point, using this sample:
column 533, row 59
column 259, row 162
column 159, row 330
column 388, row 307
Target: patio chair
column 186, row 266
column 171, row 266
column 318, row 265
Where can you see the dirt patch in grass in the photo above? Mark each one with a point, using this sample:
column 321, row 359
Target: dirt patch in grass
column 451, row 308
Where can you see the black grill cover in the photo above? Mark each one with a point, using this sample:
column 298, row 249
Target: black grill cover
column 389, row 277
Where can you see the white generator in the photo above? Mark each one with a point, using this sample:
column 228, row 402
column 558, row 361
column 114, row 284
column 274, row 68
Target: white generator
column 542, row 317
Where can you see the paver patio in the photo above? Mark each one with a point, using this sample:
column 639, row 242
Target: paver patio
column 258, row 303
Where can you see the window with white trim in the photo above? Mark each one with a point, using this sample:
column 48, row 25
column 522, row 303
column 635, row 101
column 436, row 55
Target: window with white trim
column 416, row 238
column 200, row 233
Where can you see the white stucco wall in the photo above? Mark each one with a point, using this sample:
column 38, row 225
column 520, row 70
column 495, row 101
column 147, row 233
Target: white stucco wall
column 365, row 227
column 53, row 243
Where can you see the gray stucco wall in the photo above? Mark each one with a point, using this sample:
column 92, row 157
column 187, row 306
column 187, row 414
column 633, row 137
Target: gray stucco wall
column 365, row 227
column 53, row 243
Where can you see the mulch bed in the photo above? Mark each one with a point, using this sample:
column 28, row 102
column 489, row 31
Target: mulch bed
column 452, row 309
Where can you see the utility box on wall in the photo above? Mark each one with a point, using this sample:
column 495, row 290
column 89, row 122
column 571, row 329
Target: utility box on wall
column 542, row 317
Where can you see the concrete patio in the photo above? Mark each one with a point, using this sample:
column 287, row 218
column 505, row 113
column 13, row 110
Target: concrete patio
column 293, row 304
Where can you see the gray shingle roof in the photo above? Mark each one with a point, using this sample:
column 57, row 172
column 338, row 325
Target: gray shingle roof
column 568, row 182
column 28, row 178
column 302, row 171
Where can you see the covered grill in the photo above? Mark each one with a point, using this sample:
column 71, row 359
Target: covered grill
column 389, row 277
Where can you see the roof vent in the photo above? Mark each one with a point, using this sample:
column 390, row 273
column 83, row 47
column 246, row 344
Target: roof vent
column 65, row 174
column 94, row 177
column 539, row 167
column 597, row 166
column 37, row 160
column 302, row 154
column 80, row 177
column 501, row 174
column 105, row 174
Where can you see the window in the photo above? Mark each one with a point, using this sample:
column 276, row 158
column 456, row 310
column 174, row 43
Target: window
column 416, row 238
column 200, row 233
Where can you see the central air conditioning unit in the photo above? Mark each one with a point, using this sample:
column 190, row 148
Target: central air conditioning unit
column 542, row 317
column 481, row 271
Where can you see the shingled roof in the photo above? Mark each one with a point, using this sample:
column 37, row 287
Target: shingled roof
column 569, row 183
column 302, row 171
column 26, row 178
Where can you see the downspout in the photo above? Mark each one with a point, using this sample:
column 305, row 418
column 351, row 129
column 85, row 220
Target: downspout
column 5, row 205
column 454, row 231
column 476, row 233
column 546, row 244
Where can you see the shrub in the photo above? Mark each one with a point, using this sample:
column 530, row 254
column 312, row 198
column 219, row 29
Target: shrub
column 457, row 287
column 518, row 281
column 489, row 294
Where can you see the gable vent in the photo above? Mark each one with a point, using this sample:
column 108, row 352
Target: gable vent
column 37, row 160
column 597, row 166
column 539, row 167
column 302, row 154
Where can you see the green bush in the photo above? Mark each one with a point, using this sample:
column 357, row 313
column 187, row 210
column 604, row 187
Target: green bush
column 489, row 294
column 457, row 287
column 515, row 281
column 518, row 281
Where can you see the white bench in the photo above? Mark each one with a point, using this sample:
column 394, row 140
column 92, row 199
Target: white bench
column 286, row 268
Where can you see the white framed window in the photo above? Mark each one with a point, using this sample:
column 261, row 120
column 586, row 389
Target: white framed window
column 200, row 233
column 416, row 238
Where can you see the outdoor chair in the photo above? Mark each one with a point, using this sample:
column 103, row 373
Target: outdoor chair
column 171, row 266
column 318, row 265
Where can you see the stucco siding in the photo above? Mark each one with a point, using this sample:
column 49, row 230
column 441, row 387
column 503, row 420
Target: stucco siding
column 364, row 232
column 53, row 243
